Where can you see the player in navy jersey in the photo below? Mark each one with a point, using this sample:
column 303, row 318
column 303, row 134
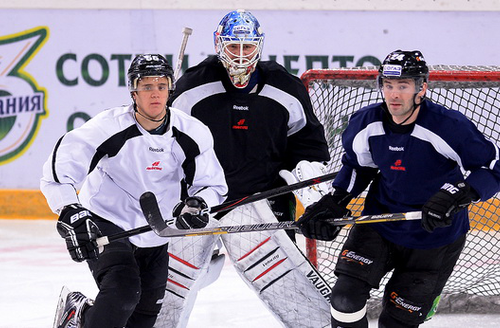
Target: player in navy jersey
column 261, row 118
column 412, row 151
column 118, row 155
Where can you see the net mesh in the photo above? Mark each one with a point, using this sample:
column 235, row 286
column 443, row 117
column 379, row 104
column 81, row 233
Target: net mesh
column 474, row 91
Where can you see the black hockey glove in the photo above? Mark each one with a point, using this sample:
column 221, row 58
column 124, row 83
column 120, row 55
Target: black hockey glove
column 188, row 213
column 313, row 222
column 450, row 199
column 75, row 225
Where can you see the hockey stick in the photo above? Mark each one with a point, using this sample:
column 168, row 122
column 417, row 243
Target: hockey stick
column 148, row 205
column 162, row 229
column 186, row 32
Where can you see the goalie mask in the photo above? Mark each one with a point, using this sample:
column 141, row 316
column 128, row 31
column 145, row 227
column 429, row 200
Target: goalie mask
column 404, row 65
column 150, row 65
column 238, row 44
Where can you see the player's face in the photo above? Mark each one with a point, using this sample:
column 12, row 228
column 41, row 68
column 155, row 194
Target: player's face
column 237, row 50
column 151, row 96
column 399, row 95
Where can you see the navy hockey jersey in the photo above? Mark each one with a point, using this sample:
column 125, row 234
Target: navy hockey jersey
column 408, row 168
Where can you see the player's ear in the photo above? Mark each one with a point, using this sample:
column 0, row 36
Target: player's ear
column 423, row 89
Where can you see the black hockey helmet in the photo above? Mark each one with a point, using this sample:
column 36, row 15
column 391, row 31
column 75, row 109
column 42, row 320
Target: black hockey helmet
column 149, row 65
column 401, row 64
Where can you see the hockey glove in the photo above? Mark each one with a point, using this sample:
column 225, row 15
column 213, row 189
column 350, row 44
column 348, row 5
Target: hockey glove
column 313, row 223
column 189, row 213
column 450, row 199
column 75, row 225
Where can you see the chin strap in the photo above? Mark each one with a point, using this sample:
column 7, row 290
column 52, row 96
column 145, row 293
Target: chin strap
column 415, row 106
column 150, row 119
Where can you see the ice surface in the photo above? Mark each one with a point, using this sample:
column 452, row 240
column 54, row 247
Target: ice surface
column 35, row 265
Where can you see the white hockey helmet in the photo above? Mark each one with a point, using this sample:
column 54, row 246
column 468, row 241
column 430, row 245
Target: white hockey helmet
column 238, row 44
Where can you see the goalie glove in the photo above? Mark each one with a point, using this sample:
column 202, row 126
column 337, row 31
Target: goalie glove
column 75, row 225
column 189, row 213
column 450, row 199
column 313, row 223
column 304, row 171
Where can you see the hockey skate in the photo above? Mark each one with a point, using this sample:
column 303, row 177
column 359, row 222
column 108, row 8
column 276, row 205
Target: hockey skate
column 70, row 308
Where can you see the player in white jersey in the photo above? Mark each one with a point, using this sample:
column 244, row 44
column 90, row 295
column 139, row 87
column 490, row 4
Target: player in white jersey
column 117, row 156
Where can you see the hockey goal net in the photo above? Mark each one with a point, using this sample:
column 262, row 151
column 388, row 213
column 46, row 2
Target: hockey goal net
column 473, row 90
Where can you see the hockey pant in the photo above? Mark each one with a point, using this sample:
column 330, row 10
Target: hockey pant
column 269, row 262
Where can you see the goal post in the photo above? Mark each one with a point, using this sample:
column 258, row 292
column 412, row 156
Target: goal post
column 473, row 90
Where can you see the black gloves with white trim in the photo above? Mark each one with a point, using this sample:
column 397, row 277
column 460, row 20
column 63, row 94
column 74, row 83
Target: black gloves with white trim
column 313, row 223
column 450, row 199
column 75, row 225
column 189, row 213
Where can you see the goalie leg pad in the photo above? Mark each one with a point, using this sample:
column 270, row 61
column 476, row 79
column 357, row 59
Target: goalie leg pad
column 192, row 266
column 272, row 265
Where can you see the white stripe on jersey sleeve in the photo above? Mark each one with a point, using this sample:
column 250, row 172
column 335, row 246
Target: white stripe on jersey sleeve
column 295, row 109
column 437, row 142
column 191, row 97
column 360, row 144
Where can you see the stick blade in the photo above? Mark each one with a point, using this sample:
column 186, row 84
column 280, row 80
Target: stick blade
column 151, row 211
column 61, row 303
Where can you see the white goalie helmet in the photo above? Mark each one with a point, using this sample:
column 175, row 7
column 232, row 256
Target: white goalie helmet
column 238, row 44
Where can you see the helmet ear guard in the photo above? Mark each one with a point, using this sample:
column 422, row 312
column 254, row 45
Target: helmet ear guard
column 149, row 65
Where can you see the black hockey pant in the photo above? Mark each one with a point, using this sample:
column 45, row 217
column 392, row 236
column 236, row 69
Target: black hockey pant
column 417, row 280
column 131, row 281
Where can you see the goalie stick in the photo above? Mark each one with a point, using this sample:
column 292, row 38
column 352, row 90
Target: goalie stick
column 226, row 206
column 186, row 32
column 162, row 229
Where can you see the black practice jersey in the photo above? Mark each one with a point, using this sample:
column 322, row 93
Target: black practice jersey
column 258, row 133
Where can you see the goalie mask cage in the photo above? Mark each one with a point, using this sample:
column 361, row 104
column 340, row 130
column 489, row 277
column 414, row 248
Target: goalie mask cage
column 474, row 285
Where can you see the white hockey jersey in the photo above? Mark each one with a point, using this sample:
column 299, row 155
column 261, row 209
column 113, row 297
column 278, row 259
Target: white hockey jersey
column 117, row 160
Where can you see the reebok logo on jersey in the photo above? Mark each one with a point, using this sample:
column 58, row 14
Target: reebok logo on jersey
column 156, row 150
column 236, row 107
column 392, row 148
column 398, row 166
column 240, row 125
column 351, row 256
column 154, row 167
